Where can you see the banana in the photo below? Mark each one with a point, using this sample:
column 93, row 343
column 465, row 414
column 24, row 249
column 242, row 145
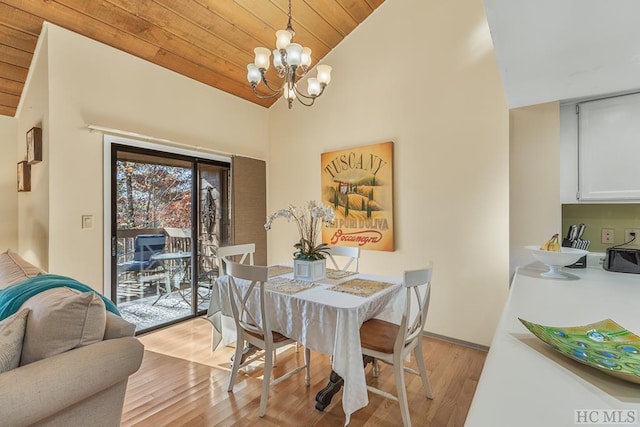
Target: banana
column 552, row 245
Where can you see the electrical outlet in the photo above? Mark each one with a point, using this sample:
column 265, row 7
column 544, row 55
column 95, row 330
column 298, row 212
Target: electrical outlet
column 608, row 236
column 628, row 236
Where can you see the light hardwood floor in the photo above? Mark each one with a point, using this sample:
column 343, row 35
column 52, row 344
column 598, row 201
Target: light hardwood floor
column 182, row 383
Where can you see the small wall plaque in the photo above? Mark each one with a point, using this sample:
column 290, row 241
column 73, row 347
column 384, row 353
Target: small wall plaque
column 34, row 145
column 24, row 176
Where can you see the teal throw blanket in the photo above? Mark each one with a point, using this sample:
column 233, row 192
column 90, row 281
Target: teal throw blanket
column 12, row 297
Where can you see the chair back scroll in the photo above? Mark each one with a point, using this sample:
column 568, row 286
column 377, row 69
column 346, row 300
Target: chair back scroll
column 413, row 321
column 236, row 253
column 243, row 299
column 352, row 255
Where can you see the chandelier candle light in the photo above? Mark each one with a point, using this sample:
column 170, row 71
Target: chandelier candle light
column 292, row 62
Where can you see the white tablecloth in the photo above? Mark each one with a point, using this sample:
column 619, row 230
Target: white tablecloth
column 325, row 321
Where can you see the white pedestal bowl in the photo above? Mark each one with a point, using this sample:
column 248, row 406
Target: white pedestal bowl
column 556, row 260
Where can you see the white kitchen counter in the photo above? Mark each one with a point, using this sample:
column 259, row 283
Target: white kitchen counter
column 524, row 381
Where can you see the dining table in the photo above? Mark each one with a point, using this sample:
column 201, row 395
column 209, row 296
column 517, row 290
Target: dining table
column 324, row 316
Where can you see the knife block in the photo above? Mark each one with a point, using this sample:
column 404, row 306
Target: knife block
column 581, row 263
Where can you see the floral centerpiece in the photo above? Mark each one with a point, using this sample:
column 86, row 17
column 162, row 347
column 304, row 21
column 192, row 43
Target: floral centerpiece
column 308, row 220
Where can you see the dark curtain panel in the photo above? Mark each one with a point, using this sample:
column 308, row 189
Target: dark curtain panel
column 249, row 205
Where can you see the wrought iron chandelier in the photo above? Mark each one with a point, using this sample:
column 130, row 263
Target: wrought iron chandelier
column 292, row 62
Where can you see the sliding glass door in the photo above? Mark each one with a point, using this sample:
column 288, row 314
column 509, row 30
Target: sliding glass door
column 161, row 204
column 213, row 225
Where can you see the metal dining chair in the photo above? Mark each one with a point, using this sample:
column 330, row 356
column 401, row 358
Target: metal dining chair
column 391, row 343
column 347, row 254
column 252, row 326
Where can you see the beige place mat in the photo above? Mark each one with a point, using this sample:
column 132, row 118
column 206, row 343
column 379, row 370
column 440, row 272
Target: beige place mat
column 288, row 286
column 279, row 270
column 361, row 287
column 338, row 274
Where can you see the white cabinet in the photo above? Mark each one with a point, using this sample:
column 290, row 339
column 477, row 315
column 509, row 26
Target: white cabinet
column 568, row 154
column 600, row 150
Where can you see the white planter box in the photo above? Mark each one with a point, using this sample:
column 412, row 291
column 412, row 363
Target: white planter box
column 309, row 270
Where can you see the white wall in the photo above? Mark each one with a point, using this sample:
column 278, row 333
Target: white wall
column 424, row 75
column 535, row 210
column 8, row 193
column 91, row 83
column 33, row 207
column 445, row 110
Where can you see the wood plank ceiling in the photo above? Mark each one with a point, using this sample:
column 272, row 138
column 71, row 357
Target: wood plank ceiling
column 210, row 41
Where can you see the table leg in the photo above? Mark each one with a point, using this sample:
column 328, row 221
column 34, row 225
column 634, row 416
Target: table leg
column 248, row 350
column 173, row 275
column 324, row 396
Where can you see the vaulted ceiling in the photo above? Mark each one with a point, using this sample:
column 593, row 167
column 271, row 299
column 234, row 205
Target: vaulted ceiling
column 210, row 41
column 550, row 50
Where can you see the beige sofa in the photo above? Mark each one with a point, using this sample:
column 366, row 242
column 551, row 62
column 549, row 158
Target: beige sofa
column 75, row 357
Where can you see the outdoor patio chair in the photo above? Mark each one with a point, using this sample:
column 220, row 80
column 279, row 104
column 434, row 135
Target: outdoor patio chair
column 144, row 246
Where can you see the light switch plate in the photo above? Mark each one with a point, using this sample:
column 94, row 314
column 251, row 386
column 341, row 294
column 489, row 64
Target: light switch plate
column 87, row 221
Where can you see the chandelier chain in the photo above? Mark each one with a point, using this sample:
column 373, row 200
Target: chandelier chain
column 289, row 26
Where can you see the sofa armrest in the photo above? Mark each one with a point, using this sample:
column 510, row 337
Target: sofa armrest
column 37, row 390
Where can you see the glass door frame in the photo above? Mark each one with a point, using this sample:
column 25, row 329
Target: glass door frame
column 114, row 143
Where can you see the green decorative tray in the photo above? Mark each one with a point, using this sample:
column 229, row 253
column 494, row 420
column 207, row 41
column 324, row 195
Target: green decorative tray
column 604, row 345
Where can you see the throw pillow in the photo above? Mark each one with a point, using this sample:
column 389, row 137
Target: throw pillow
column 61, row 319
column 14, row 269
column 11, row 335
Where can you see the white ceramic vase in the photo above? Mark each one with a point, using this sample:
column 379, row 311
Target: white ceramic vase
column 309, row 270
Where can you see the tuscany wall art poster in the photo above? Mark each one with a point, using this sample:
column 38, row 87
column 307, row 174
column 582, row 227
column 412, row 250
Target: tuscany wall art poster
column 358, row 183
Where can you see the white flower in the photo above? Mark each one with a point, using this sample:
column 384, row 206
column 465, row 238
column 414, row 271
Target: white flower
column 308, row 221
